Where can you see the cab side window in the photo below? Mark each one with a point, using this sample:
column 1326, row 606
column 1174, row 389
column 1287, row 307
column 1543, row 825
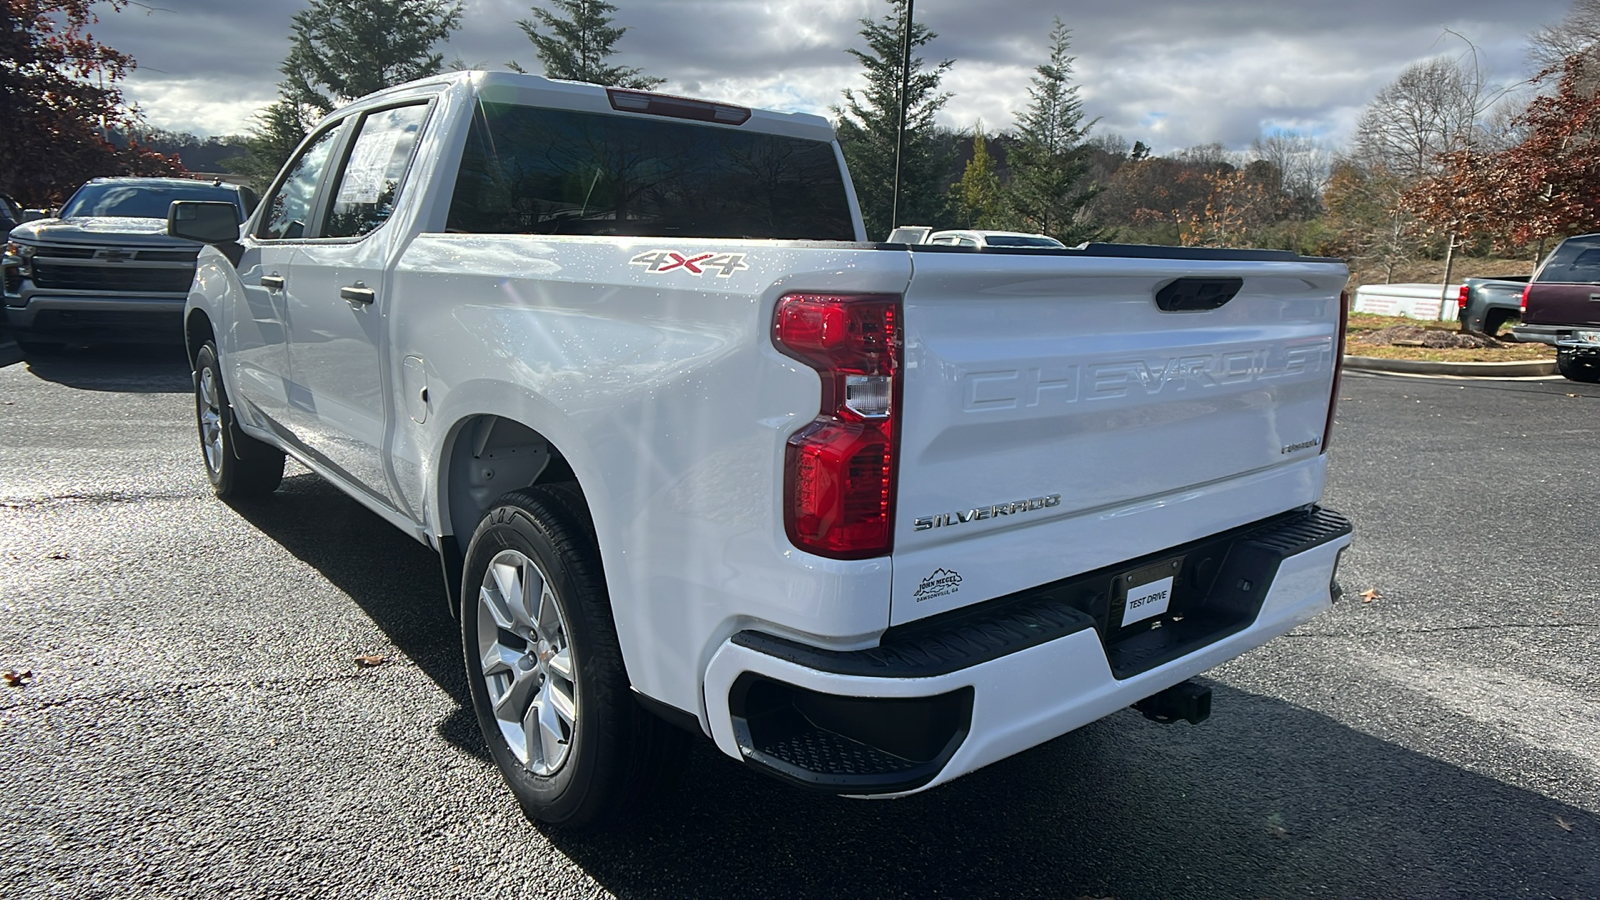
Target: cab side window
column 373, row 170
column 289, row 208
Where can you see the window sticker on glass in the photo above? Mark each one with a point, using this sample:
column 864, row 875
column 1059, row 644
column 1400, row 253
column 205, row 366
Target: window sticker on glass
column 369, row 164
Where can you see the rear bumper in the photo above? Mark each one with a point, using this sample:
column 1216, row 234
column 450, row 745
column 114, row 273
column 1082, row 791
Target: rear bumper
column 1578, row 338
column 943, row 698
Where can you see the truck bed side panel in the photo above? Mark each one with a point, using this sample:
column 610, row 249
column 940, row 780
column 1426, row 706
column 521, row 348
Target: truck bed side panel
column 663, row 390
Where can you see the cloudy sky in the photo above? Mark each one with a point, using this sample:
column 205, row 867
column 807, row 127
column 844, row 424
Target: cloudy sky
column 1170, row 73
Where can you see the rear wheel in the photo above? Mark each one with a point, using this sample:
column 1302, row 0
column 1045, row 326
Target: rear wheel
column 548, row 683
column 237, row 464
column 1578, row 368
column 1494, row 321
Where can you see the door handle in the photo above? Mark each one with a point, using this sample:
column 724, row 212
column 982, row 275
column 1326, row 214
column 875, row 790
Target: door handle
column 1594, row 296
column 357, row 293
column 272, row 282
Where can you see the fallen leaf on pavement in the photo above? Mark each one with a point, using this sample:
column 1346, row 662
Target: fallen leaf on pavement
column 1370, row 594
column 370, row 660
column 1565, row 825
column 25, row 677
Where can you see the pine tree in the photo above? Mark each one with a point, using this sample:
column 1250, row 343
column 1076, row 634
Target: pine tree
column 1052, row 158
column 977, row 195
column 343, row 49
column 869, row 120
column 279, row 128
column 576, row 47
column 340, row 50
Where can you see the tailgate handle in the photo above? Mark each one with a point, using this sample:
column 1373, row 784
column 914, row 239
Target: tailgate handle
column 1197, row 294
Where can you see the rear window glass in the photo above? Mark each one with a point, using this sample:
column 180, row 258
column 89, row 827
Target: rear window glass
column 1575, row 260
column 141, row 201
column 528, row 170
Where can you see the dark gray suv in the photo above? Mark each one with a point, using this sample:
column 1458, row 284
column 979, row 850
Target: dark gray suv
column 104, row 269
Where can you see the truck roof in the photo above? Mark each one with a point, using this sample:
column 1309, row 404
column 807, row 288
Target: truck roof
column 537, row 90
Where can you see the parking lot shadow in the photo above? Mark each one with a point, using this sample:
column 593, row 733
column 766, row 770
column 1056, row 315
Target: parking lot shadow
column 125, row 368
column 396, row 581
column 1265, row 800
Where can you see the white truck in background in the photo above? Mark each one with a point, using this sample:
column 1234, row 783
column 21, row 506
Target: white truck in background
column 698, row 457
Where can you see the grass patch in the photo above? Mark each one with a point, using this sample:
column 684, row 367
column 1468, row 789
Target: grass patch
column 1513, row 353
column 1366, row 323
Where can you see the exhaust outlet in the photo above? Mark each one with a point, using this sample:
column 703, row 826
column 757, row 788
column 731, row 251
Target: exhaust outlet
column 1188, row 701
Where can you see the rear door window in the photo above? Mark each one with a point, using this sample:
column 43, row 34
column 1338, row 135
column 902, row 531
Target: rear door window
column 528, row 170
column 374, row 169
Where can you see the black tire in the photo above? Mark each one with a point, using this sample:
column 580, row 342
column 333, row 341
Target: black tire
column 613, row 756
column 1578, row 368
column 40, row 348
column 236, row 464
column 1494, row 321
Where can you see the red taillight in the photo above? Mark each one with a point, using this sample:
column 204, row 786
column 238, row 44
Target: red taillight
column 838, row 480
column 1338, row 368
column 1461, row 298
column 1525, row 289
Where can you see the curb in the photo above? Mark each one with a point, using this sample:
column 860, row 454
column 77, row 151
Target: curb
column 1532, row 368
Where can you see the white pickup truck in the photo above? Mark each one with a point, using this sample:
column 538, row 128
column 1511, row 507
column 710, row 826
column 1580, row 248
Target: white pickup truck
column 695, row 453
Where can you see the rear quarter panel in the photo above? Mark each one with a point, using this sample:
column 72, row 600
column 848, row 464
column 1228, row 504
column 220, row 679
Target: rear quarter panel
column 664, row 392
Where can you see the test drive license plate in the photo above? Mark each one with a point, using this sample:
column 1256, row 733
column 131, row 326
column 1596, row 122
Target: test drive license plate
column 1147, row 592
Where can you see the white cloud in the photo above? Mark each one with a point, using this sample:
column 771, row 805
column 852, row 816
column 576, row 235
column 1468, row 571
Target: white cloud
column 1167, row 72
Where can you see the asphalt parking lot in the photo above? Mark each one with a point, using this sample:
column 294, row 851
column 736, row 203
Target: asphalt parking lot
column 197, row 724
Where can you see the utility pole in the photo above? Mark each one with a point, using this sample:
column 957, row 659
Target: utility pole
column 900, row 133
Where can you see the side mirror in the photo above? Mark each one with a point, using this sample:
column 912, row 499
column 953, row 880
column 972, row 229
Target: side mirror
column 205, row 221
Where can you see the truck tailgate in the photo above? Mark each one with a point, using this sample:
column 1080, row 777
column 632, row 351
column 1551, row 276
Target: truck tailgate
column 1057, row 421
column 1560, row 303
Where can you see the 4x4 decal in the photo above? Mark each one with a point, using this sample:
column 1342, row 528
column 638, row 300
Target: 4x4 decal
column 657, row 261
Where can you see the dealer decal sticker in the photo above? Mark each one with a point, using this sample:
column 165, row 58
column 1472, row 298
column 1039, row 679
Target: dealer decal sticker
column 658, row 262
column 942, row 583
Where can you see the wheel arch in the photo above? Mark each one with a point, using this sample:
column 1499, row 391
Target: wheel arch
column 197, row 329
column 484, row 456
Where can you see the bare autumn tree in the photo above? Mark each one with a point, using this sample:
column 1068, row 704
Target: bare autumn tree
column 1545, row 186
column 1432, row 108
column 1235, row 206
column 59, row 101
column 1296, row 167
column 1577, row 34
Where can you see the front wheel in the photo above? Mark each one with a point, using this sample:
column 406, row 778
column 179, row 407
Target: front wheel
column 236, row 464
column 545, row 670
column 1578, row 368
